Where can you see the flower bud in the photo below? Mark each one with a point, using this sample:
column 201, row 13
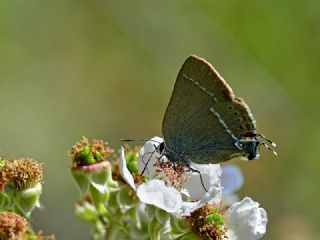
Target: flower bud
column 12, row 226
column 208, row 222
column 22, row 173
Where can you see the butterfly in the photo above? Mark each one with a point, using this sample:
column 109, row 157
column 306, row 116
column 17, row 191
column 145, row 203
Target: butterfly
column 205, row 122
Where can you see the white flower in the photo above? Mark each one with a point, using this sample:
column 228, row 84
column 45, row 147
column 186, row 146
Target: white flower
column 231, row 181
column 168, row 198
column 246, row 220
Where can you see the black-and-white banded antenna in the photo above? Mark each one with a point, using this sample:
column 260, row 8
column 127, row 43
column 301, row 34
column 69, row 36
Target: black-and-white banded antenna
column 138, row 140
column 269, row 141
column 269, row 148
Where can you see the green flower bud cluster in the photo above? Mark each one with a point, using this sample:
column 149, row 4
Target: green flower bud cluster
column 20, row 189
column 110, row 206
column 131, row 158
column 20, row 185
column 86, row 153
column 12, row 226
column 208, row 222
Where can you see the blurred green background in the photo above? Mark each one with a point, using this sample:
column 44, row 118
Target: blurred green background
column 106, row 69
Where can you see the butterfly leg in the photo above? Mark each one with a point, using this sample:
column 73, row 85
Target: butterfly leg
column 146, row 164
column 147, row 153
column 196, row 171
column 156, row 150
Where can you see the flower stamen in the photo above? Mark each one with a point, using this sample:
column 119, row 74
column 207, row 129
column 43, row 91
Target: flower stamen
column 85, row 153
column 173, row 175
column 208, row 222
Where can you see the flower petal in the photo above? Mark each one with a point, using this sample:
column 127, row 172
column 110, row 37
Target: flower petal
column 156, row 193
column 124, row 170
column 229, row 199
column 211, row 196
column 210, row 173
column 246, row 220
column 211, row 176
column 231, row 179
column 148, row 156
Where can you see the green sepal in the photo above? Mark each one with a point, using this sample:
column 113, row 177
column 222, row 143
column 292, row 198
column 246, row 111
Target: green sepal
column 99, row 179
column 99, row 230
column 154, row 229
column 179, row 225
column 4, row 201
column 162, row 216
column 139, row 230
column 180, row 229
column 99, row 199
column 116, row 232
column 81, row 179
column 86, row 211
column 138, row 234
column 125, row 201
column 112, row 204
column 134, row 216
column 99, row 190
column 151, row 210
column 110, row 182
column 26, row 200
column 10, row 189
column 190, row 236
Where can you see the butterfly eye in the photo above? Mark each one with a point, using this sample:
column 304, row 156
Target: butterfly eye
column 249, row 134
column 160, row 148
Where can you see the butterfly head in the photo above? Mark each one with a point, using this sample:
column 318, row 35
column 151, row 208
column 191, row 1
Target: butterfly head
column 251, row 142
column 160, row 148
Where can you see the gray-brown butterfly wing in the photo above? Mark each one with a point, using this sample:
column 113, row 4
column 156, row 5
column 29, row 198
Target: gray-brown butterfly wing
column 203, row 119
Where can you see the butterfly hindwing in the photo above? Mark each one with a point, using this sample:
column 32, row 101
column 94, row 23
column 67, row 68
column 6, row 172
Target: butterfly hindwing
column 203, row 118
